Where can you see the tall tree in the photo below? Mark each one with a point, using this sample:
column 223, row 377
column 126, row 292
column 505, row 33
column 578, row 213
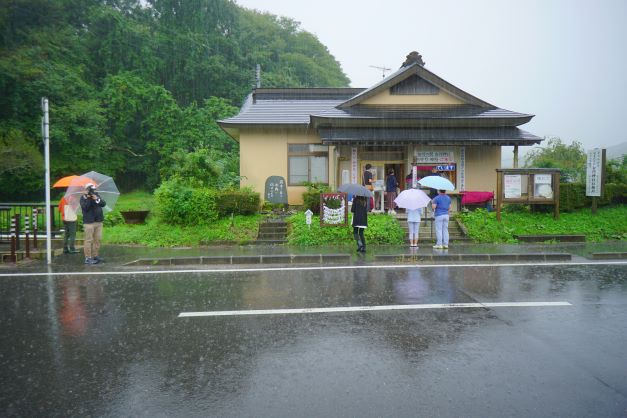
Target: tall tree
column 571, row 159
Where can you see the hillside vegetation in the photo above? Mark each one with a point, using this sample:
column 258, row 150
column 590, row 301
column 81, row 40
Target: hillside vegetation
column 135, row 87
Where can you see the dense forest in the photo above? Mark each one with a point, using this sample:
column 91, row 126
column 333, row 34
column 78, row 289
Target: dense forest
column 135, row 87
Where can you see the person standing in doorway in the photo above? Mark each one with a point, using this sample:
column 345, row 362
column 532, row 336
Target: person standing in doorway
column 68, row 215
column 367, row 181
column 93, row 217
column 442, row 211
column 360, row 221
column 391, row 184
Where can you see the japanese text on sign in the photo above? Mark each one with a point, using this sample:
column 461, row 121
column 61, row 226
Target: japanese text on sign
column 512, row 185
column 434, row 156
column 593, row 173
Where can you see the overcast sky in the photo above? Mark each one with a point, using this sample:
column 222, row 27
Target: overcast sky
column 564, row 61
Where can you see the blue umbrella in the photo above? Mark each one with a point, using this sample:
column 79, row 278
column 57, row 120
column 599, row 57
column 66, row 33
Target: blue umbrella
column 355, row 189
column 436, row 182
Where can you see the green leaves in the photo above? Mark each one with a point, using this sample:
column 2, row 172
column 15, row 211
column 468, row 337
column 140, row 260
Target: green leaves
column 382, row 229
column 571, row 159
column 609, row 223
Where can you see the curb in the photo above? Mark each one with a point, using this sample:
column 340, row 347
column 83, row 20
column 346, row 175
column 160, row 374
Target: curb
column 346, row 258
column 245, row 259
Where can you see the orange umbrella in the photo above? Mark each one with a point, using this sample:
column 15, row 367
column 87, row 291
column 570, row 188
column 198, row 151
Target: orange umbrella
column 74, row 180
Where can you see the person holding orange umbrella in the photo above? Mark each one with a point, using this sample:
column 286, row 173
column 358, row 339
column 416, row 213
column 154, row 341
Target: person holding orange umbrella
column 68, row 216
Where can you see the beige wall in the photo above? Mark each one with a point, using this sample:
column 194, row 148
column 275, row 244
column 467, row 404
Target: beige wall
column 264, row 154
column 481, row 163
column 385, row 98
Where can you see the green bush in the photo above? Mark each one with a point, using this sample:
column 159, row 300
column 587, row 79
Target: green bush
column 237, row 202
column 573, row 196
column 311, row 197
column 382, row 229
column 179, row 204
column 609, row 223
column 614, row 194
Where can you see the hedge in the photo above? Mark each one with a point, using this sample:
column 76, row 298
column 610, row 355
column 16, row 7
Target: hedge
column 237, row 202
column 573, row 196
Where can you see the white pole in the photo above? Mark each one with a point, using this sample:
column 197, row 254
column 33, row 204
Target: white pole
column 46, row 132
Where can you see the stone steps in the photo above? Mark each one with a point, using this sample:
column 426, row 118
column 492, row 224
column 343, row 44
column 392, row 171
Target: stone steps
column 272, row 232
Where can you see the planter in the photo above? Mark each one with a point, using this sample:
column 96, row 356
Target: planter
column 135, row 216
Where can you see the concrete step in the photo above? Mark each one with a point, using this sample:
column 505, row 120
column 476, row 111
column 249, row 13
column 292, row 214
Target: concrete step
column 270, row 241
column 265, row 235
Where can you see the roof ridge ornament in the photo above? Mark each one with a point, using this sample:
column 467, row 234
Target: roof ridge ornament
column 413, row 57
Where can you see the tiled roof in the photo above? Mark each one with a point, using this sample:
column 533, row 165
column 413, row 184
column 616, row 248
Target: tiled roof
column 299, row 112
column 432, row 136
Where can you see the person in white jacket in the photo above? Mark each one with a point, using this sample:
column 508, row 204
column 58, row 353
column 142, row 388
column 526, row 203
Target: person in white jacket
column 68, row 215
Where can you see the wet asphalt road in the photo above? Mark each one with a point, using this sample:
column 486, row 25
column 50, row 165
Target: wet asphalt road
column 80, row 345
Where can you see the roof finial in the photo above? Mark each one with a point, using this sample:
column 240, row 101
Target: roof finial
column 413, row 57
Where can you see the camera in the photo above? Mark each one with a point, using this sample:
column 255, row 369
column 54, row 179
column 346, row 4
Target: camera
column 91, row 191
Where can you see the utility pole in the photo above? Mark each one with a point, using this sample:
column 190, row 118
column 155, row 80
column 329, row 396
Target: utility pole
column 383, row 70
column 45, row 131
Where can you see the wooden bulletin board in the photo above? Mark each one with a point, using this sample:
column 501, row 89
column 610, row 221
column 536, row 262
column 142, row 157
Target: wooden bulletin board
column 333, row 209
column 528, row 186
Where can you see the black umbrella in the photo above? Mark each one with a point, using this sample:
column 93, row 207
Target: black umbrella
column 355, row 190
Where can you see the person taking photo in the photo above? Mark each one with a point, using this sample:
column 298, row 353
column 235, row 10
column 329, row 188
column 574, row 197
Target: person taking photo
column 91, row 206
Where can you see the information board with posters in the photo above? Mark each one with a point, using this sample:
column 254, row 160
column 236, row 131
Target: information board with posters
column 333, row 209
column 527, row 186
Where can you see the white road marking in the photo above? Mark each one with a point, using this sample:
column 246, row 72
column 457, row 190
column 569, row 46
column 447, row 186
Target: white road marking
column 373, row 308
column 306, row 268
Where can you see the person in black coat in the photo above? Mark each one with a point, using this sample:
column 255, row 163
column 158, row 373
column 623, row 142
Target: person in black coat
column 93, row 217
column 360, row 221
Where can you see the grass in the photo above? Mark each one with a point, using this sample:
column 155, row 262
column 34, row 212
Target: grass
column 240, row 229
column 154, row 233
column 382, row 229
column 610, row 223
column 137, row 200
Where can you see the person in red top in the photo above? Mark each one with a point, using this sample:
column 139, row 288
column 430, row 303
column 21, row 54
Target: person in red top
column 68, row 215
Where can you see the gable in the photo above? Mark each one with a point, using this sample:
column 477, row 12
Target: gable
column 413, row 84
column 390, row 97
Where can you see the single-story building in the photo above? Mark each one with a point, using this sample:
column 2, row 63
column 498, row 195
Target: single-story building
column 412, row 118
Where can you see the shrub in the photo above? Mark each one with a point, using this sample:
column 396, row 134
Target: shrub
column 573, row 196
column 311, row 197
column 237, row 202
column 180, row 204
column 382, row 229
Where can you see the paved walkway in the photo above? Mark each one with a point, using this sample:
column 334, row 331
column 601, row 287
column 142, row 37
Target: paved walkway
column 132, row 257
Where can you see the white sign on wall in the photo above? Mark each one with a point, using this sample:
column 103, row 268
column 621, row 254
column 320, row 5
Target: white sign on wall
column 512, row 185
column 414, row 177
column 462, row 169
column 434, row 156
column 354, row 165
column 594, row 173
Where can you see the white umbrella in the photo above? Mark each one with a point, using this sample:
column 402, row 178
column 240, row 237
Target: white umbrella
column 436, row 182
column 412, row 199
column 104, row 185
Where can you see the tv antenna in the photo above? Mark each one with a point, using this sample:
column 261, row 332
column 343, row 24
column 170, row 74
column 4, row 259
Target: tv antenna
column 383, row 70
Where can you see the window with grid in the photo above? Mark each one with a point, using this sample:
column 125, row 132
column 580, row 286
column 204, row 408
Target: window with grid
column 307, row 163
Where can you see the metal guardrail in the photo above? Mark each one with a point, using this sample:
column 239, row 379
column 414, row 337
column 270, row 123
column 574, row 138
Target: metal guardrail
column 26, row 210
